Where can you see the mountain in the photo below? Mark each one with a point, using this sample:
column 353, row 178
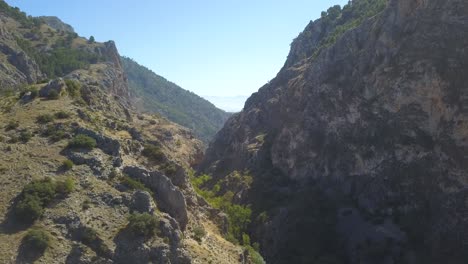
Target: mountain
column 85, row 177
column 155, row 94
column 356, row 151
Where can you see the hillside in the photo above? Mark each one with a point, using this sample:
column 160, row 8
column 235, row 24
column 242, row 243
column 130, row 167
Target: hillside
column 85, row 177
column 155, row 94
column 356, row 151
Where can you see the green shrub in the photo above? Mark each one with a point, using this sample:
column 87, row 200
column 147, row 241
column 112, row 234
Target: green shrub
column 152, row 152
column 25, row 136
column 67, row 164
column 133, row 184
column 255, row 257
column 34, row 92
column 37, row 195
column 45, row 118
column 54, row 133
column 170, row 169
column 143, row 224
column 37, row 239
column 12, row 124
column 73, row 88
column 82, row 141
column 62, row 115
column 86, row 204
column 65, row 187
column 199, row 233
column 29, row 208
column 88, row 235
column 53, row 95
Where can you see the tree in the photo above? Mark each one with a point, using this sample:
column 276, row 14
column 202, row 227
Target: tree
column 91, row 39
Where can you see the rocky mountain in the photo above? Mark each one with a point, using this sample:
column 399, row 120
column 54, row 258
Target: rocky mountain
column 155, row 94
column 85, row 177
column 357, row 149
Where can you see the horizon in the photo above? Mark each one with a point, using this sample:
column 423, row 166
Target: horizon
column 215, row 50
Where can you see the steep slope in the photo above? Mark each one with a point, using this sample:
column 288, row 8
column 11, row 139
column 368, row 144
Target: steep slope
column 358, row 147
column 157, row 95
column 85, row 179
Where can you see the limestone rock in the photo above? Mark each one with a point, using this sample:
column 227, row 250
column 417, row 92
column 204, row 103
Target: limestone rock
column 168, row 196
column 142, row 202
column 57, row 85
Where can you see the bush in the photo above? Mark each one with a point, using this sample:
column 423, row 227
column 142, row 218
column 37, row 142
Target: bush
column 152, row 152
column 82, row 141
column 133, row 184
column 62, row 115
column 45, row 118
column 34, row 93
column 37, row 195
column 64, row 188
column 55, row 133
column 53, row 95
column 25, row 136
column 29, row 208
column 199, row 233
column 88, row 235
column 143, row 224
column 12, row 125
column 67, row 164
column 73, row 88
column 37, row 239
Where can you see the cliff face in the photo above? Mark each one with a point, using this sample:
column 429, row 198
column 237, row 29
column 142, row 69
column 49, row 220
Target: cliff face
column 374, row 128
column 85, row 177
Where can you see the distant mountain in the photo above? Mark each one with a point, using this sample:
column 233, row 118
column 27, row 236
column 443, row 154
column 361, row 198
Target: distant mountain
column 155, row 94
column 228, row 103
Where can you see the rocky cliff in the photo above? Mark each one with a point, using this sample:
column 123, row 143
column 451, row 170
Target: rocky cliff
column 86, row 178
column 358, row 147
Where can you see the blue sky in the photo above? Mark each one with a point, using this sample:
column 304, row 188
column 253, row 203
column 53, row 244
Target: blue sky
column 211, row 47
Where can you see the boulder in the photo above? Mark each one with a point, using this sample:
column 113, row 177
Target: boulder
column 57, row 85
column 170, row 198
column 142, row 202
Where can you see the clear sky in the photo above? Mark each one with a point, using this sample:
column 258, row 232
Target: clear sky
column 211, row 47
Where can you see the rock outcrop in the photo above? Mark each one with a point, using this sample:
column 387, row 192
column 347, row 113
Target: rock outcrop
column 373, row 127
column 171, row 199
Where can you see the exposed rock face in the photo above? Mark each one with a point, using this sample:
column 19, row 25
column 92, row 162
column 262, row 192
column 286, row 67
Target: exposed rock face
column 170, row 198
column 377, row 123
column 142, row 202
column 57, row 24
column 57, row 85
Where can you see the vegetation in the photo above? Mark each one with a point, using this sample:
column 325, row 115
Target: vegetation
column 82, row 141
column 67, row 164
column 53, row 95
column 73, row 88
column 54, row 132
column 336, row 21
column 133, row 184
column 12, row 124
column 178, row 105
column 143, row 224
column 62, row 115
column 18, row 15
column 239, row 216
column 45, row 118
column 61, row 60
column 37, row 239
column 38, row 194
column 25, row 136
column 199, row 233
column 153, row 152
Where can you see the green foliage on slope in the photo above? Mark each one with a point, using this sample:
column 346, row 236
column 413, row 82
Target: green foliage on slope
column 59, row 61
column 158, row 95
